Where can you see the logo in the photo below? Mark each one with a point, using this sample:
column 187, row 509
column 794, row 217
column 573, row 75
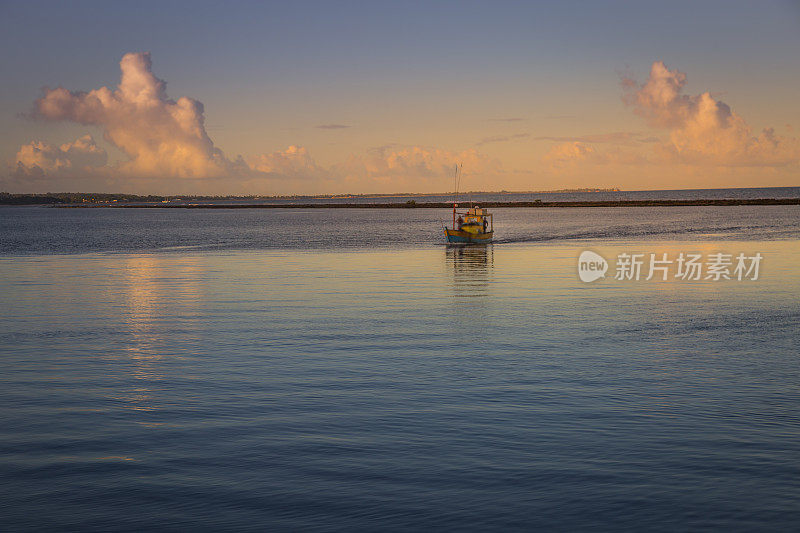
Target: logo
column 689, row 266
column 591, row 266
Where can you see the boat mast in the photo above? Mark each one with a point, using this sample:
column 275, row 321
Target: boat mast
column 455, row 195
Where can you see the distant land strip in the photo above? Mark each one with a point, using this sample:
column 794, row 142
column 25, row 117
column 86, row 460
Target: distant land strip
column 411, row 204
column 102, row 197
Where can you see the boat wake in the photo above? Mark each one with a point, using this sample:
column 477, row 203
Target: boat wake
column 738, row 232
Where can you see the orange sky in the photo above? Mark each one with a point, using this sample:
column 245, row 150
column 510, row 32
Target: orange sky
column 386, row 110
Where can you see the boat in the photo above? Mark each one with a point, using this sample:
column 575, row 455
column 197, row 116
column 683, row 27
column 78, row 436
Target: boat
column 471, row 226
column 475, row 225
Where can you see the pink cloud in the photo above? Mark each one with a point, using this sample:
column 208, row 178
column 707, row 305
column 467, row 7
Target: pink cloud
column 703, row 130
column 160, row 136
column 569, row 152
column 293, row 163
column 414, row 164
column 39, row 158
column 166, row 141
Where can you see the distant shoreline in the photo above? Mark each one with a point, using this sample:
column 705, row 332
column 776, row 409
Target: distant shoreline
column 96, row 198
column 446, row 205
column 562, row 197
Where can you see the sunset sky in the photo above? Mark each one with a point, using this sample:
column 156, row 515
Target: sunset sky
column 361, row 97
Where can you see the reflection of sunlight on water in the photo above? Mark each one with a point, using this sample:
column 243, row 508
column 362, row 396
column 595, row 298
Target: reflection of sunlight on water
column 158, row 290
column 143, row 305
column 672, row 282
column 155, row 291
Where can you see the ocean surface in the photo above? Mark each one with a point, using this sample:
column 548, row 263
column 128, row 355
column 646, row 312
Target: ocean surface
column 329, row 370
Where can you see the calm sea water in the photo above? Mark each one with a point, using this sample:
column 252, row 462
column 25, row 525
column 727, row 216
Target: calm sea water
column 341, row 369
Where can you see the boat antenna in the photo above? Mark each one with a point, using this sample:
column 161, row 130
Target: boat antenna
column 460, row 175
column 456, row 181
column 455, row 184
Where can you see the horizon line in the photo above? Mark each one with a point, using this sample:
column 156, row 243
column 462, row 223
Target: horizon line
column 394, row 194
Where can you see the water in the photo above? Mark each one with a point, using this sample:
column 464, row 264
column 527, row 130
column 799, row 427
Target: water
column 45, row 230
column 274, row 370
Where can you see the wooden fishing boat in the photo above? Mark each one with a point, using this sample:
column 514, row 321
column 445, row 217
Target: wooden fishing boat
column 475, row 225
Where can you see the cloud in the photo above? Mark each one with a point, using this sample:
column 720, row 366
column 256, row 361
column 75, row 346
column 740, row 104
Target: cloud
column 292, row 163
column 162, row 137
column 402, row 165
column 37, row 159
column 414, row 166
column 615, row 137
column 167, row 146
column 703, row 130
column 510, row 119
column 389, row 168
column 569, row 152
column 502, row 138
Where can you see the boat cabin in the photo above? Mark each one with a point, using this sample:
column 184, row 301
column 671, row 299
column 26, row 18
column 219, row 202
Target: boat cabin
column 474, row 220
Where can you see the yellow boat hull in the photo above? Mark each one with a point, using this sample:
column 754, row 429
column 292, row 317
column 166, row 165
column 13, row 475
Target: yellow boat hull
column 461, row 236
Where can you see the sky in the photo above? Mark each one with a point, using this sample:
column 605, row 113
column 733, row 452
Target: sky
column 300, row 97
